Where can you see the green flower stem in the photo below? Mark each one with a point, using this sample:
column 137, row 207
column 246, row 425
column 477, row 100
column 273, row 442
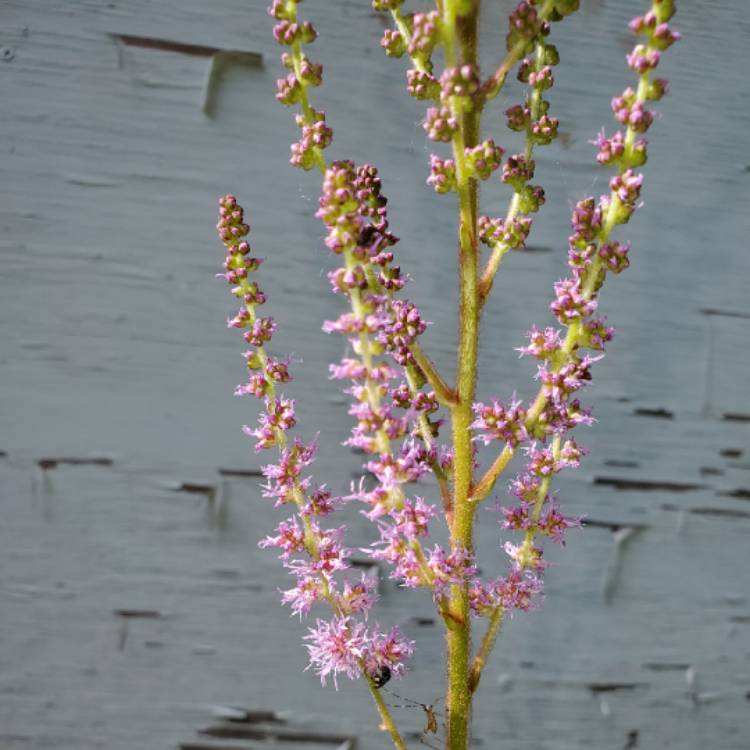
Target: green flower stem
column 484, row 486
column 535, row 101
column 311, row 546
column 488, row 642
column 644, row 81
column 307, row 110
column 400, row 21
column 498, row 252
column 427, row 575
column 414, row 377
column 541, row 496
column 445, row 394
column 388, row 725
column 365, row 345
column 493, row 627
column 298, row 495
column 425, row 431
column 428, row 579
column 487, row 482
column 493, row 85
column 368, row 350
column 501, row 248
column 387, row 722
column 573, row 336
column 460, row 36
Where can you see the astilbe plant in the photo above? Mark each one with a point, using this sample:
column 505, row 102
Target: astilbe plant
column 397, row 393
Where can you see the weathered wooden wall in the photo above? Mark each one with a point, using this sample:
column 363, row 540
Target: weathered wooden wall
column 132, row 595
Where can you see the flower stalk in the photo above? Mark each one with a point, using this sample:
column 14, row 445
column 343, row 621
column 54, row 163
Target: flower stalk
column 399, row 400
column 488, row 642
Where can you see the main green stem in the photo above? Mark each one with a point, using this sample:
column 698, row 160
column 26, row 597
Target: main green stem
column 462, row 32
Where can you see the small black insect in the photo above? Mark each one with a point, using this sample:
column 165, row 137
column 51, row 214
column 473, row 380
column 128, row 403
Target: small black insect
column 380, row 675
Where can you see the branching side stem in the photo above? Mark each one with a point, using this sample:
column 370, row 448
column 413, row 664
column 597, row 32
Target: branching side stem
column 488, row 641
